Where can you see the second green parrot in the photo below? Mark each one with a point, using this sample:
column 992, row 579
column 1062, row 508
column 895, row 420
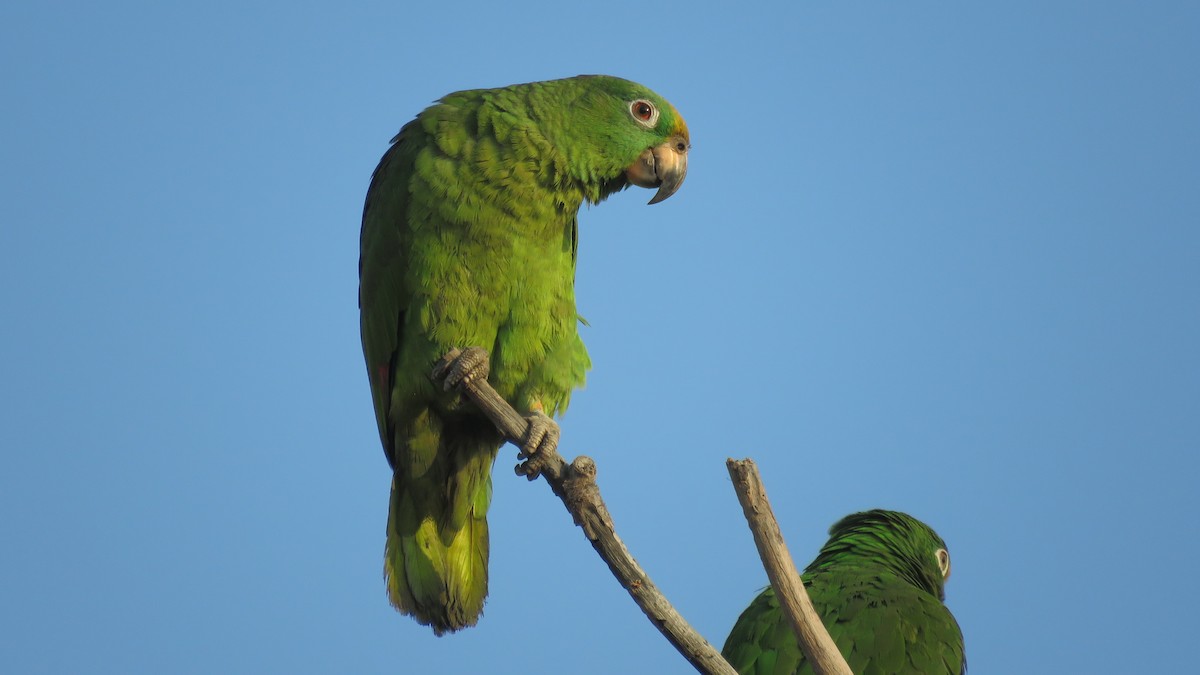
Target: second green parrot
column 469, row 239
column 878, row 584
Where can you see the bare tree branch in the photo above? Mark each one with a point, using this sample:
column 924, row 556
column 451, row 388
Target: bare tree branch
column 814, row 640
column 575, row 485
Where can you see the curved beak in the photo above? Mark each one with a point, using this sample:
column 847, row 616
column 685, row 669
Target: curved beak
column 663, row 166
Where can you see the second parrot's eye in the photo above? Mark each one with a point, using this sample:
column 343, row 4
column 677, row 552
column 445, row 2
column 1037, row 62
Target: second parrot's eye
column 943, row 559
column 644, row 112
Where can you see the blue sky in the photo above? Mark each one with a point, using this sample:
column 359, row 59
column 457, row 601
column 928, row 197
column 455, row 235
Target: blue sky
column 940, row 258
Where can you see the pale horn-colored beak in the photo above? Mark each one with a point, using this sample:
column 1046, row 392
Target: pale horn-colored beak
column 663, row 166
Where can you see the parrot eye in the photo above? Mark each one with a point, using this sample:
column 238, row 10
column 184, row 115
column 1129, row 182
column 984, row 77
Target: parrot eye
column 644, row 112
column 943, row 559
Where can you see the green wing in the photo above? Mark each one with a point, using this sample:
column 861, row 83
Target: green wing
column 382, row 298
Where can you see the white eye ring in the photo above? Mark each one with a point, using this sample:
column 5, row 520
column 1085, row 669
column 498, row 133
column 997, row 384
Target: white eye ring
column 943, row 560
column 644, row 112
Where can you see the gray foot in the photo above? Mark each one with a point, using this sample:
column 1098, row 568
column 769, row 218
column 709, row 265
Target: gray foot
column 462, row 367
column 541, row 440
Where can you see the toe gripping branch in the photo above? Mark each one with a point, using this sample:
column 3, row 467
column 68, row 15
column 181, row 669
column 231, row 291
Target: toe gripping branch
column 536, row 435
column 575, row 484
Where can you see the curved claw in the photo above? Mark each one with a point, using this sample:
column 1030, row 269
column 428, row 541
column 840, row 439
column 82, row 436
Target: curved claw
column 541, row 439
column 462, row 367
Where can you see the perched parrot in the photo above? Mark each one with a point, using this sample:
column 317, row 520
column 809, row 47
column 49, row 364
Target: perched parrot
column 878, row 584
column 469, row 239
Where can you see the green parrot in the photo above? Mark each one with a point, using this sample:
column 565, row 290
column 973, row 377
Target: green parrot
column 469, row 239
column 879, row 586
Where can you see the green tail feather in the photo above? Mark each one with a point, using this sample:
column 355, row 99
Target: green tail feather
column 436, row 558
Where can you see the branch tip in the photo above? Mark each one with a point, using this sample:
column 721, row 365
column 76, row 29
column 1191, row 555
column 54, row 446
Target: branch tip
column 814, row 639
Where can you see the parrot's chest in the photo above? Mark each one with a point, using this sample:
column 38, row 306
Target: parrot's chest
column 509, row 288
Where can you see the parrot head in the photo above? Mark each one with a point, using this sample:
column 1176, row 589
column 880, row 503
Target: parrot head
column 896, row 541
column 663, row 165
column 629, row 136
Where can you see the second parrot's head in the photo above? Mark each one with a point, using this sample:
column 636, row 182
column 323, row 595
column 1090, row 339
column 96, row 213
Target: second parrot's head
column 628, row 134
column 890, row 540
